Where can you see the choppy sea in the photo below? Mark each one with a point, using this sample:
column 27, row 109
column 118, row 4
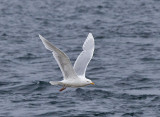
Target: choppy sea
column 125, row 66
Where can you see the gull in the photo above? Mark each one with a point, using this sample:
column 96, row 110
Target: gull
column 73, row 76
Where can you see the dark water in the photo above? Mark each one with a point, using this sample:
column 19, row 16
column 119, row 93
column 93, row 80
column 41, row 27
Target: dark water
column 125, row 66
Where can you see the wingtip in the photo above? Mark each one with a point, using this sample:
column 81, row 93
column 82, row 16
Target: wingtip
column 40, row 36
column 90, row 35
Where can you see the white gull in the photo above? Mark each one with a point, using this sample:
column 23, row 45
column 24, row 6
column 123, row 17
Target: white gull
column 72, row 76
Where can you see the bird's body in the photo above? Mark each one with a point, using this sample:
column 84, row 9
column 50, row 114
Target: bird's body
column 73, row 76
column 75, row 83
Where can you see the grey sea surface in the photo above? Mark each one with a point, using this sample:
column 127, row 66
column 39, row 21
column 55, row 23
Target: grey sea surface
column 125, row 66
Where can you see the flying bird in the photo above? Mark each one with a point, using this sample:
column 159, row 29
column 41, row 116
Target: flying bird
column 73, row 76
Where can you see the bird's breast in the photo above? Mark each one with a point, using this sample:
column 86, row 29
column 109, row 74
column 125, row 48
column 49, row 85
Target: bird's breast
column 74, row 83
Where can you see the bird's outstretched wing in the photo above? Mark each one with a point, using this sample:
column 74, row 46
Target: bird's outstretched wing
column 61, row 58
column 85, row 56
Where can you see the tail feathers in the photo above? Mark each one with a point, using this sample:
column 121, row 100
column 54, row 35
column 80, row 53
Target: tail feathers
column 54, row 82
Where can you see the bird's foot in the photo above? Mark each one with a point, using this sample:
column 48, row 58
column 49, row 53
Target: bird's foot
column 63, row 88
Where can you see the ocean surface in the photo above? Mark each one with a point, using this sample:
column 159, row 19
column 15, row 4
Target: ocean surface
column 125, row 66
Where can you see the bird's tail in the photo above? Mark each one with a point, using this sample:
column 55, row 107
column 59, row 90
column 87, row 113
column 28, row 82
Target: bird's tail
column 55, row 82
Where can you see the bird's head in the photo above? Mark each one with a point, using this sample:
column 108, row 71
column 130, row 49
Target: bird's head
column 88, row 82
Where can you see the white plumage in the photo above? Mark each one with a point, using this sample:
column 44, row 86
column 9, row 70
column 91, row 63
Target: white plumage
column 73, row 76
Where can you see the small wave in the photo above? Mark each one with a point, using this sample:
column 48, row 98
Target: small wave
column 149, row 59
column 4, row 83
column 146, row 92
column 28, row 56
column 92, row 94
column 46, row 114
column 27, row 88
column 156, row 99
column 132, row 114
column 4, row 35
column 5, row 87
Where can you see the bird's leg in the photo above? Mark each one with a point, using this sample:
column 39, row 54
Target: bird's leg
column 63, row 88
